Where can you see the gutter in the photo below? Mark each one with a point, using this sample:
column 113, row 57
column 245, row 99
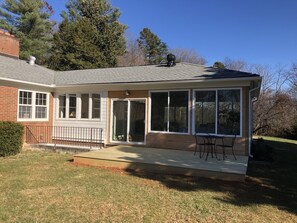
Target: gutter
column 251, row 116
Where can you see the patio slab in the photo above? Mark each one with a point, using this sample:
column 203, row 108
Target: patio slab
column 165, row 161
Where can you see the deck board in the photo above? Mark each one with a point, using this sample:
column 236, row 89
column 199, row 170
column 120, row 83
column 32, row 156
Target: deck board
column 171, row 161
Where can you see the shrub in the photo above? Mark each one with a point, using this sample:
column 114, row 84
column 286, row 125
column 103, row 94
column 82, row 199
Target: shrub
column 11, row 138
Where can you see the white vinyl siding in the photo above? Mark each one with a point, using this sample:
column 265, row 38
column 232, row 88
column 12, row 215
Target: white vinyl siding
column 80, row 121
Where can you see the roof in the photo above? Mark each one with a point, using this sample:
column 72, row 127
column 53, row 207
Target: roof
column 11, row 68
column 150, row 73
column 20, row 70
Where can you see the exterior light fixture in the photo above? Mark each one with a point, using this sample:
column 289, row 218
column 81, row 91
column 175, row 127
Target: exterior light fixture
column 127, row 93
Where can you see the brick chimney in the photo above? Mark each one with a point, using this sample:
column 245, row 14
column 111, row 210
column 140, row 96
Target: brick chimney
column 9, row 45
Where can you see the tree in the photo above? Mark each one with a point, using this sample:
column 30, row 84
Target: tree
column 134, row 55
column 239, row 65
column 188, row 55
column 90, row 36
column 275, row 110
column 219, row 65
column 29, row 20
column 155, row 50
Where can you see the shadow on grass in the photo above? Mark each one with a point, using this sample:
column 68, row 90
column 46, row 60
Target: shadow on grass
column 267, row 183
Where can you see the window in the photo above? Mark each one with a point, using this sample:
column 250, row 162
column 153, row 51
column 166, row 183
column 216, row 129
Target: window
column 85, row 106
column 72, row 106
column 229, row 112
column 178, row 111
column 159, row 111
column 32, row 105
column 96, row 106
column 25, row 105
column 62, row 106
column 218, row 111
column 205, row 107
column 169, row 111
column 79, row 106
column 41, row 106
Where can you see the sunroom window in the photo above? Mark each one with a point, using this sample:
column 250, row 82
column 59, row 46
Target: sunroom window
column 205, row 107
column 218, row 111
column 72, row 106
column 96, row 104
column 79, row 106
column 229, row 112
column 169, row 111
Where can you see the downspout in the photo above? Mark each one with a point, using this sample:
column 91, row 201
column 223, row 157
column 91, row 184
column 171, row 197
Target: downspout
column 251, row 116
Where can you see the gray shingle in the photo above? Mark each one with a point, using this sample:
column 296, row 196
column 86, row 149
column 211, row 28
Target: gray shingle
column 20, row 70
column 151, row 73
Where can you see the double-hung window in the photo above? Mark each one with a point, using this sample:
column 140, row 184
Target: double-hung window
column 25, row 105
column 32, row 105
column 40, row 106
column 218, row 111
column 169, row 111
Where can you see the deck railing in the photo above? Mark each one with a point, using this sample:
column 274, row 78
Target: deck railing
column 62, row 135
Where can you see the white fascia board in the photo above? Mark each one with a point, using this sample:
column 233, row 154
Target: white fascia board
column 26, row 82
column 160, row 82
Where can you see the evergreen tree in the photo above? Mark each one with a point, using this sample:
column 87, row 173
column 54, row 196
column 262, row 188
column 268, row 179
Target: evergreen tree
column 155, row 50
column 29, row 20
column 219, row 65
column 89, row 36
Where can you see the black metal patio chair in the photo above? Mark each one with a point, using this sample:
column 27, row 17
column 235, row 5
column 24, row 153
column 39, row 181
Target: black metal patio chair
column 227, row 143
column 207, row 142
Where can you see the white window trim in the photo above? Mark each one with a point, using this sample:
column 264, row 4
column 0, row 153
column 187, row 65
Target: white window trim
column 78, row 107
column 33, row 105
column 150, row 114
column 216, row 118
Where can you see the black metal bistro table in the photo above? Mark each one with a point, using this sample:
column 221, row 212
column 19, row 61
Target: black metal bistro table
column 211, row 141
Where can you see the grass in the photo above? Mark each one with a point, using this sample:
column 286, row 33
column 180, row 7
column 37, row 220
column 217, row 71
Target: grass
column 47, row 187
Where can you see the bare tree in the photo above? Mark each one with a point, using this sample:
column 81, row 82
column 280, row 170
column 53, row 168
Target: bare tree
column 239, row 65
column 134, row 55
column 275, row 110
column 188, row 55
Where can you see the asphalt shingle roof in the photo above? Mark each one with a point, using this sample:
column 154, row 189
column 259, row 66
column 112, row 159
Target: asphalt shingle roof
column 20, row 70
column 151, row 73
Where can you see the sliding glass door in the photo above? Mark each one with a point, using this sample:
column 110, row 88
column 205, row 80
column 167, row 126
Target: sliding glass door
column 128, row 121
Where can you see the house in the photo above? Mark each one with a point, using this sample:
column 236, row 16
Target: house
column 152, row 106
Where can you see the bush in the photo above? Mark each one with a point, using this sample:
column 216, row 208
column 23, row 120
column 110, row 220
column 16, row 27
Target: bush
column 11, row 138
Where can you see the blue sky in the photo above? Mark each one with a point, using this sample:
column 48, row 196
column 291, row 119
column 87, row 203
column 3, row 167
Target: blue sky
column 257, row 31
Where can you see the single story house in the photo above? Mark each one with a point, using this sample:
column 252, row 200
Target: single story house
column 154, row 106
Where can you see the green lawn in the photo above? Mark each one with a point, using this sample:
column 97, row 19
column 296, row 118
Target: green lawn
column 47, row 187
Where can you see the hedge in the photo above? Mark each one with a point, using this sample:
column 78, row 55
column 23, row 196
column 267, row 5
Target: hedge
column 11, row 138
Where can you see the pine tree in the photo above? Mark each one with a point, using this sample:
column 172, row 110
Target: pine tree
column 155, row 50
column 89, row 36
column 29, row 20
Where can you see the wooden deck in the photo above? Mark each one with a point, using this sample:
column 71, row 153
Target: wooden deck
column 166, row 161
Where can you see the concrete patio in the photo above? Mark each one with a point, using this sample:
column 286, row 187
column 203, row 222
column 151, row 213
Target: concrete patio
column 165, row 161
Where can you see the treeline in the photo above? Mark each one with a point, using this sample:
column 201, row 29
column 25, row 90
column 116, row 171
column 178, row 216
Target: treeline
column 89, row 36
